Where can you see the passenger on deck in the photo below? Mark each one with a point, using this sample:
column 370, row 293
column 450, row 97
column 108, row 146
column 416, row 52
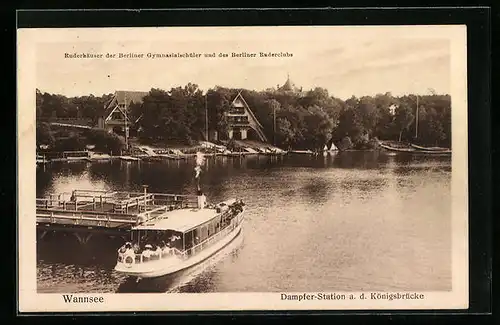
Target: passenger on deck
column 128, row 249
column 202, row 200
column 157, row 251
column 147, row 251
column 136, row 248
column 123, row 248
column 167, row 249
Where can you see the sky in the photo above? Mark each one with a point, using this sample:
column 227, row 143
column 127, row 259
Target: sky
column 345, row 60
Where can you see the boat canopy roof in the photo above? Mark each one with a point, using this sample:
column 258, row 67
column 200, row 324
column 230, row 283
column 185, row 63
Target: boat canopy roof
column 181, row 220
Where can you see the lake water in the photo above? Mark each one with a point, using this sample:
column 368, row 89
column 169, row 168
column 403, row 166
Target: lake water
column 351, row 221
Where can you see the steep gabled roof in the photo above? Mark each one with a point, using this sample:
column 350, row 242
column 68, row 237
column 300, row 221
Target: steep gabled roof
column 247, row 107
column 121, row 96
column 135, row 97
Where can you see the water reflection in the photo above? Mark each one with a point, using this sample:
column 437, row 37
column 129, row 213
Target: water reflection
column 364, row 220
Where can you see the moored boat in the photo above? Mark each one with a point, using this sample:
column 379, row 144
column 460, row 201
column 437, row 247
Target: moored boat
column 307, row 152
column 429, row 148
column 179, row 239
column 414, row 150
column 400, row 149
column 129, row 158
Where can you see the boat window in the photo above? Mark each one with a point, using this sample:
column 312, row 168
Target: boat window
column 204, row 233
column 156, row 238
column 175, row 241
column 188, row 239
column 211, row 228
column 197, row 235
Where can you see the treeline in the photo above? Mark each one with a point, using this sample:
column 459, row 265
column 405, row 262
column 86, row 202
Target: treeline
column 59, row 106
column 303, row 121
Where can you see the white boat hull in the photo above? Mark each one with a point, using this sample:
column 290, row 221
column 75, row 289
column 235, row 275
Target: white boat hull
column 175, row 263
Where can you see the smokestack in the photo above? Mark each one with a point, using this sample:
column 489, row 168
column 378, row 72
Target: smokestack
column 200, row 159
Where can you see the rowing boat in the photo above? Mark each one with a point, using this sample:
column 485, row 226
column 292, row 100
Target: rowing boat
column 416, row 151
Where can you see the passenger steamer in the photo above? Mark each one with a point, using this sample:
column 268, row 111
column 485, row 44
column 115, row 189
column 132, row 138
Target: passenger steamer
column 179, row 239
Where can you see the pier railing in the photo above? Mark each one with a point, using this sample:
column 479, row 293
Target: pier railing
column 108, row 208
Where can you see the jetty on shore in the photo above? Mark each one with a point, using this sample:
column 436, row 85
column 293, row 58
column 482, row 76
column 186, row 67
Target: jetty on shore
column 150, row 153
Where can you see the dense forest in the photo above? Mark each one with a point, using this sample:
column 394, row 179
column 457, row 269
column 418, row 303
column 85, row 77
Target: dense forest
column 308, row 120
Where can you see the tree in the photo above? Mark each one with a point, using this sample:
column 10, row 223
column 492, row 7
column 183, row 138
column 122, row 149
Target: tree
column 368, row 113
column 350, row 121
column 384, row 126
column 319, row 127
column 285, row 134
column 44, row 135
column 273, row 109
column 403, row 118
column 218, row 102
column 73, row 142
column 39, row 104
column 104, row 141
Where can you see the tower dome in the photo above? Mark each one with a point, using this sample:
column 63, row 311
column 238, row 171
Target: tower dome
column 288, row 85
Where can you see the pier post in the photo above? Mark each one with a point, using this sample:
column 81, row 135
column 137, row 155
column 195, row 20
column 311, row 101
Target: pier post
column 145, row 196
column 43, row 234
column 82, row 239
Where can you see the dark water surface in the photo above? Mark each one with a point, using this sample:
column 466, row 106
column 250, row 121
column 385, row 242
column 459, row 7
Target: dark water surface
column 352, row 221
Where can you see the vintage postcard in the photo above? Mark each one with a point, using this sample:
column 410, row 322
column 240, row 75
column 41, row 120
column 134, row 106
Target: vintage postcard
column 242, row 168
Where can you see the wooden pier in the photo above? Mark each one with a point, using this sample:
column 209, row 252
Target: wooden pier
column 86, row 212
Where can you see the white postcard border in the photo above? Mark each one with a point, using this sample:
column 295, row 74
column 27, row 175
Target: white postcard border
column 31, row 301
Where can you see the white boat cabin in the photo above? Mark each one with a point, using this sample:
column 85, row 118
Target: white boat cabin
column 181, row 232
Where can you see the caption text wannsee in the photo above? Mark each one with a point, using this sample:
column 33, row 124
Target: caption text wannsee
column 187, row 55
column 297, row 297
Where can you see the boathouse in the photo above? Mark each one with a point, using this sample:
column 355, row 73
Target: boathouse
column 116, row 114
column 242, row 123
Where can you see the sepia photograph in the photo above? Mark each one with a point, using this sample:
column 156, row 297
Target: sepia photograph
column 245, row 168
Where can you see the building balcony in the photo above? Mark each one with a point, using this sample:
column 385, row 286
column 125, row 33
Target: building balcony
column 239, row 124
column 236, row 111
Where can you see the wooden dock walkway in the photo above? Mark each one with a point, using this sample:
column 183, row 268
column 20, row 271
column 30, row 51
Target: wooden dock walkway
column 84, row 212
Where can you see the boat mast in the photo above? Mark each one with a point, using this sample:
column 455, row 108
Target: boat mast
column 274, row 125
column 126, row 131
column 206, row 117
column 416, row 121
